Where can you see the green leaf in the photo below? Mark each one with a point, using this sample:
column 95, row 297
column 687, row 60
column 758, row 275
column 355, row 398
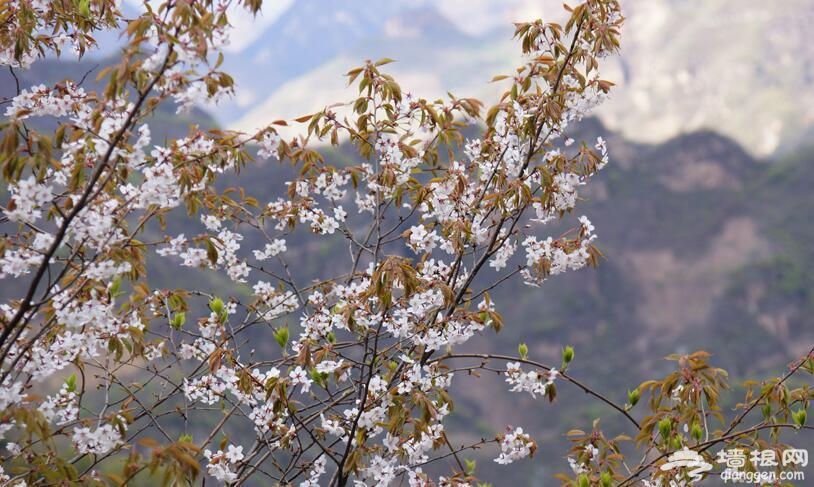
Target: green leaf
column 70, row 382
column 84, row 8
column 211, row 252
column 178, row 320
column 281, row 336
column 115, row 287
column 799, row 417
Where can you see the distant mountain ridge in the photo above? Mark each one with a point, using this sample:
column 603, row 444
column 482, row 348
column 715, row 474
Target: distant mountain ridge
column 306, row 35
column 744, row 68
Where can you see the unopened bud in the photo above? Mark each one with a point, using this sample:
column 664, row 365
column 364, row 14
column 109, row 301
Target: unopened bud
column 799, row 417
column 665, row 428
column 523, row 351
column 697, row 432
column 567, row 355
column 633, row 397
column 216, row 305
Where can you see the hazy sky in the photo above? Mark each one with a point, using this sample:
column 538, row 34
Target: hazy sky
column 474, row 17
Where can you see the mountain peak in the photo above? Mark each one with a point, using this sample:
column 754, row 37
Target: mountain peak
column 422, row 22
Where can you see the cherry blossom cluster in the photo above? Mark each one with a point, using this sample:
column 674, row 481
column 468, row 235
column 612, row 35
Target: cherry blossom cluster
column 43, row 21
column 28, row 196
column 100, row 440
column 532, row 382
column 317, row 470
column 552, row 257
column 343, row 370
column 221, row 463
column 62, row 407
column 41, row 101
column 515, row 445
column 188, row 59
